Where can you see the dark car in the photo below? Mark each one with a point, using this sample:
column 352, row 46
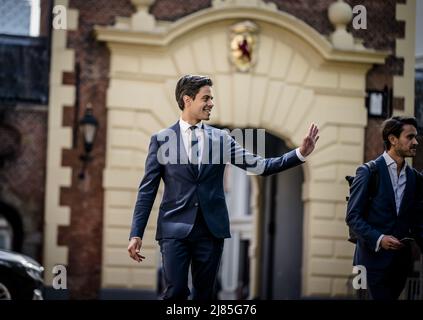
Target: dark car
column 20, row 277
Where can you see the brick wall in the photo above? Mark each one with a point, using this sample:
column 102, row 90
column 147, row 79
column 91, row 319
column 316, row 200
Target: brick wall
column 45, row 14
column 22, row 175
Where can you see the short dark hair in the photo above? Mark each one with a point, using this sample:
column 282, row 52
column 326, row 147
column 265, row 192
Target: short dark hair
column 395, row 126
column 189, row 85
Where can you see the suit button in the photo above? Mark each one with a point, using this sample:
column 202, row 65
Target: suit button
column 196, row 204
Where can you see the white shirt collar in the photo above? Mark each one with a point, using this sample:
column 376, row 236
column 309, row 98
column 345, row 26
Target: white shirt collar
column 389, row 161
column 185, row 125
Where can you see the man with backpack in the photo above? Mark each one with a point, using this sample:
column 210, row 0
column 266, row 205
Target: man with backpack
column 382, row 211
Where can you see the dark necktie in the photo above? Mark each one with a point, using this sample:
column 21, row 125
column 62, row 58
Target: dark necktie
column 194, row 150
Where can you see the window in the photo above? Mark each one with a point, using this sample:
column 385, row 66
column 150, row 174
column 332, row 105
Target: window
column 20, row 17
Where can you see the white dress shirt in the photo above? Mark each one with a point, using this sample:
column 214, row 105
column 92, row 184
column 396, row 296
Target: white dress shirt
column 186, row 133
column 398, row 184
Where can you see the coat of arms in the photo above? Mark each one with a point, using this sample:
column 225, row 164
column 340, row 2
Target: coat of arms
column 243, row 43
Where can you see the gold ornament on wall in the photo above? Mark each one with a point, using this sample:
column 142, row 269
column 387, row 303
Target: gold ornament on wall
column 243, row 44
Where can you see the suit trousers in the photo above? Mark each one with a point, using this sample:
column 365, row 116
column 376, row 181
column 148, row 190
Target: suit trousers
column 388, row 284
column 202, row 251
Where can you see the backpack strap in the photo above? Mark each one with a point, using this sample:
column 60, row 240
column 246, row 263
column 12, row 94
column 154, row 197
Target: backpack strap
column 373, row 185
column 374, row 178
column 371, row 165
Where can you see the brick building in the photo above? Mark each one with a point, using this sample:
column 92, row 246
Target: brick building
column 124, row 58
column 24, row 74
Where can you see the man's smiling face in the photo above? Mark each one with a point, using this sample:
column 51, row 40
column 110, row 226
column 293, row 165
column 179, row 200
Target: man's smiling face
column 200, row 107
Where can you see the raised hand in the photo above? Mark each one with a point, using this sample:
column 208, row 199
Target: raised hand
column 309, row 141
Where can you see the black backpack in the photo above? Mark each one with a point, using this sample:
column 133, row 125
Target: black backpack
column 373, row 186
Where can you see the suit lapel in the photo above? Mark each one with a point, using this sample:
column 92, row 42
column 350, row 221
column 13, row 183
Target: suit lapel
column 408, row 191
column 390, row 189
column 207, row 152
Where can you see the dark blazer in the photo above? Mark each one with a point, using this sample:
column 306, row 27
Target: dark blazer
column 418, row 212
column 184, row 191
column 382, row 216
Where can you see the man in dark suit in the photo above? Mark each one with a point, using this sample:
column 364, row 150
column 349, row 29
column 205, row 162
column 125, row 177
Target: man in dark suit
column 190, row 157
column 390, row 214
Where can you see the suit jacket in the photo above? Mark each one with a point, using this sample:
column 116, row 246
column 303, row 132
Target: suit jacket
column 184, row 191
column 382, row 216
column 418, row 212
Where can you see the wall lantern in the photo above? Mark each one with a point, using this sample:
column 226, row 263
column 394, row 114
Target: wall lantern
column 379, row 103
column 89, row 126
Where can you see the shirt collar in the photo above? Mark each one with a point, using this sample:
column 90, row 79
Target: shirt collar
column 185, row 125
column 389, row 161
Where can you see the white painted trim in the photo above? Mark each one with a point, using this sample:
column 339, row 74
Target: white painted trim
column 58, row 138
column 166, row 33
column 34, row 29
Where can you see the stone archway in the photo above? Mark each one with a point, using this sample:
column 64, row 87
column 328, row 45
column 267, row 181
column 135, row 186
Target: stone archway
column 299, row 77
